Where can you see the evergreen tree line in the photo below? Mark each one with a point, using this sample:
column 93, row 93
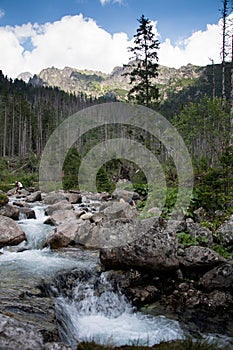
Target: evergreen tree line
column 29, row 114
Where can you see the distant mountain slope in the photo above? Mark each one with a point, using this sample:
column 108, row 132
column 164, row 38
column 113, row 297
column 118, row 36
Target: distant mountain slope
column 176, row 86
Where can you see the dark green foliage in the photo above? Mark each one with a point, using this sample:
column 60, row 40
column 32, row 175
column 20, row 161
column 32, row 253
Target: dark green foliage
column 198, row 89
column 204, row 127
column 187, row 240
column 3, row 199
column 144, row 67
column 70, row 169
column 223, row 251
column 103, row 181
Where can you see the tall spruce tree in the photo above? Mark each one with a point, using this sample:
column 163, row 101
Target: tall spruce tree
column 144, row 67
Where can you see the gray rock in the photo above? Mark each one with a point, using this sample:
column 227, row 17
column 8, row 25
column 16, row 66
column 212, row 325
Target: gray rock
column 54, row 197
column 120, row 210
column 224, row 233
column 60, row 216
column 10, row 211
column 202, row 234
column 18, row 335
column 63, row 205
column 128, row 196
column 10, row 232
column 153, row 249
column 34, row 197
column 64, row 234
column 221, row 277
column 74, row 198
column 196, row 256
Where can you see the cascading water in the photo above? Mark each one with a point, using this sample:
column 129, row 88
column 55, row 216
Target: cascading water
column 93, row 310
column 97, row 312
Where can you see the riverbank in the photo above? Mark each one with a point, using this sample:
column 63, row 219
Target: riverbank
column 142, row 259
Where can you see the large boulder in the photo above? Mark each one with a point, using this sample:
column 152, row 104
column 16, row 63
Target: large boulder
column 54, row 197
column 10, row 232
column 154, row 248
column 60, row 216
column 196, row 256
column 119, row 210
column 64, row 234
column 63, row 205
column 34, row 197
column 221, row 277
column 10, row 211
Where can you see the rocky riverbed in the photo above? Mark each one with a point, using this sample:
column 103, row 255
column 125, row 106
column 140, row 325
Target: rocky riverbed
column 143, row 259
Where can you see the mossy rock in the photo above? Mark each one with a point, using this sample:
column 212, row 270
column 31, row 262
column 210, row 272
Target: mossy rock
column 3, row 199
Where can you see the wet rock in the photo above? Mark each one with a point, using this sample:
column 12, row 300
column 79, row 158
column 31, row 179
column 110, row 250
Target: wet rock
column 54, row 197
column 20, row 204
column 10, row 232
column 34, row 197
column 196, row 256
column 18, row 335
column 63, row 205
column 221, row 277
column 202, row 234
column 64, row 234
column 29, row 213
column 143, row 295
column 154, row 249
column 10, row 211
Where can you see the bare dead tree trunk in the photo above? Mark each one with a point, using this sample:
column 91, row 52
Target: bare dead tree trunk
column 231, row 114
column 224, row 18
column 5, row 133
column 213, row 79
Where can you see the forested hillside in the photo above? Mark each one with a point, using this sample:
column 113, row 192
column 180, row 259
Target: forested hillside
column 177, row 87
column 29, row 114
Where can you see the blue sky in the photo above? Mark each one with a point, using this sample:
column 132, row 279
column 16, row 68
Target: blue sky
column 176, row 18
column 178, row 24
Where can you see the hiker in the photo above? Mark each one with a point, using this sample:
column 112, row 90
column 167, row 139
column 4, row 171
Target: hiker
column 19, row 186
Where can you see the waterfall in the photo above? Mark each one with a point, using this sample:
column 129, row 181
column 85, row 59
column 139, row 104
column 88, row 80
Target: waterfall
column 97, row 312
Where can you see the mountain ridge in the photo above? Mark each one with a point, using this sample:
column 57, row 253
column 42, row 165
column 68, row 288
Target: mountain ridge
column 97, row 83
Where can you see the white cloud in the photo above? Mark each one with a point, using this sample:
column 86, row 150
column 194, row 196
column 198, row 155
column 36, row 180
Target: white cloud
column 197, row 49
column 79, row 42
column 2, row 13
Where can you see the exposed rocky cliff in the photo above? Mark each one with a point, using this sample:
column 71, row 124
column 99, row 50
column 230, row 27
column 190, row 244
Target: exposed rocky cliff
column 177, row 87
column 98, row 83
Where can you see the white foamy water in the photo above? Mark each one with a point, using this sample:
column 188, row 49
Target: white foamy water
column 107, row 317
